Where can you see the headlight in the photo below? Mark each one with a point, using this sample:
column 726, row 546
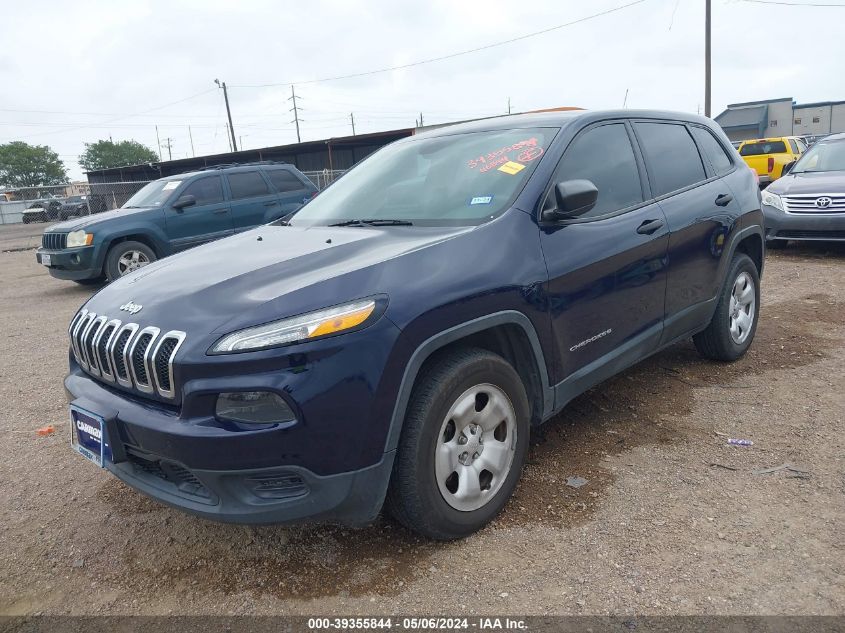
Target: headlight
column 300, row 328
column 253, row 407
column 771, row 199
column 75, row 239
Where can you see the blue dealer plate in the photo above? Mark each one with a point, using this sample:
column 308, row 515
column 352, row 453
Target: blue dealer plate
column 88, row 436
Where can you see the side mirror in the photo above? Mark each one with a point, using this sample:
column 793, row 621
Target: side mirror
column 572, row 199
column 184, row 201
column 788, row 168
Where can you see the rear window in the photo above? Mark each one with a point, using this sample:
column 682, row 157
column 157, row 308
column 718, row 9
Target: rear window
column 671, row 156
column 248, row 184
column 283, row 180
column 758, row 149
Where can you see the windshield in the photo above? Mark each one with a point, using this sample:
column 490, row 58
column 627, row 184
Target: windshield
column 822, row 157
column 153, row 194
column 445, row 180
column 756, row 149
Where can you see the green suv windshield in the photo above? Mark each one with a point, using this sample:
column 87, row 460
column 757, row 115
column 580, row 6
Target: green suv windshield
column 153, row 194
column 443, row 180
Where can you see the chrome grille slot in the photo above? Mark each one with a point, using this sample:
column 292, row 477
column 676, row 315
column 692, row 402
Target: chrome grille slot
column 162, row 364
column 102, row 349
column 88, row 348
column 139, row 358
column 126, row 354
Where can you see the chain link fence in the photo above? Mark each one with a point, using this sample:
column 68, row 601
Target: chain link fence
column 61, row 202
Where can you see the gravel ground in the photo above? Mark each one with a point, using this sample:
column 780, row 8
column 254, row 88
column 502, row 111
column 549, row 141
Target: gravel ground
column 671, row 521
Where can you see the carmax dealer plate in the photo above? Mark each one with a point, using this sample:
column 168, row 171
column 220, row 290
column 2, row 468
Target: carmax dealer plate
column 88, row 436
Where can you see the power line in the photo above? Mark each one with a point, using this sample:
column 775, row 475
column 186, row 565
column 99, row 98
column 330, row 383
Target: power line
column 449, row 56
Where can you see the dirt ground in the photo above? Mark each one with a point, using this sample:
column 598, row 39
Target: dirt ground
column 672, row 520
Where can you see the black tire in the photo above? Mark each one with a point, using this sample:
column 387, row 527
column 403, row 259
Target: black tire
column 117, row 251
column 414, row 497
column 777, row 245
column 716, row 342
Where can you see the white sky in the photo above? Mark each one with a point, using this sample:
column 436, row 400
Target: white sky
column 76, row 72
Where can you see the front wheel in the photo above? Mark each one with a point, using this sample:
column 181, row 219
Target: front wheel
column 126, row 257
column 463, row 445
column 734, row 323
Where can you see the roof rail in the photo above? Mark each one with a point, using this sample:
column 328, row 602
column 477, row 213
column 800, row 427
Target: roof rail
column 228, row 165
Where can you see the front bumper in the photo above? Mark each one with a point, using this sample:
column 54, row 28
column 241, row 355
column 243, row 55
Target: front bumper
column 330, row 464
column 781, row 225
column 72, row 263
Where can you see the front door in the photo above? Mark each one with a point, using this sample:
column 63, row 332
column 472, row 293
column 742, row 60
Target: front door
column 209, row 219
column 607, row 268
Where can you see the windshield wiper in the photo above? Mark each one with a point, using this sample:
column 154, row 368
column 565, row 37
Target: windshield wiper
column 373, row 222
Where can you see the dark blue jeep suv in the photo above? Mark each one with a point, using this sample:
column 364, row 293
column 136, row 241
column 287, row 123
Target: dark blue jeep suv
column 394, row 342
column 170, row 215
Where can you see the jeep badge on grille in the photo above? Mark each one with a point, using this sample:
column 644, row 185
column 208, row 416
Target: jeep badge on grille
column 131, row 307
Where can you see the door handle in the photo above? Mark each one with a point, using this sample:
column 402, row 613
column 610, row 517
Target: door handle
column 724, row 200
column 649, row 226
column 220, row 211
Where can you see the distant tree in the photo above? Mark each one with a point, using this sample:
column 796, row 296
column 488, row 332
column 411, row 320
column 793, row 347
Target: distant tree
column 106, row 154
column 25, row 165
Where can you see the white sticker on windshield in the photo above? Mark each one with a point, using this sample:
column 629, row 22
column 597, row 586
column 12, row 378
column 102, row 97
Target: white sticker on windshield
column 481, row 200
column 171, row 184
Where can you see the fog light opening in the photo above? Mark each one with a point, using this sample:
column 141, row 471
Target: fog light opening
column 260, row 408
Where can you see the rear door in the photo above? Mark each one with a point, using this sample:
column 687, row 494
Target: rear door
column 251, row 198
column 209, row 219
column 292, row 190
column 607, row 269
column 700, row 209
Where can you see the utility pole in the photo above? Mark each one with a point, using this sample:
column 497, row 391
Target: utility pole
column 509, row 105
column 295, row 110
column 625, row 100
column 191, row 136
column 352, row 118
column 168, row 143
column 158, row 140
column 707, row 59
column 228, row 113
column 421, row 119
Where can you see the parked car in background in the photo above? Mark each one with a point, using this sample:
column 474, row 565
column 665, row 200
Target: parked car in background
column 170, row 215
column 768, row 156
column 44, row 210
column 395, row 342
column 74, row 206
column 809, row 202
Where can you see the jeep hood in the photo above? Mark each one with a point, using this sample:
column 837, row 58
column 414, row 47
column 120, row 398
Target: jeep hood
column 97, row 218
column 810, row 182
column 255, row 276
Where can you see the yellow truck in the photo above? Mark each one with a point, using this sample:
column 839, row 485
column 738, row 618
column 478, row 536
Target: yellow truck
column 768, row 156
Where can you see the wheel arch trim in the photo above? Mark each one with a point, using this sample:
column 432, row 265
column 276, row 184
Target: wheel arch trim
column 451, row 335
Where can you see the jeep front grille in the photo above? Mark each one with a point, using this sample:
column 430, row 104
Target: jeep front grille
column 126, row 354
column 54, row 241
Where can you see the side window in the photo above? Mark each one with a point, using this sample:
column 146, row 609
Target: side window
column 713, row 150
column 604, row 156
column 284, row 181
column 671, row 156
column 793, row 145
column 247, row 184
column 208, row 190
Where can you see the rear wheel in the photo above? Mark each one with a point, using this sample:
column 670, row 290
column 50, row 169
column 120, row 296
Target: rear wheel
column 463, row 445
column 126, row 257
column 734, row 323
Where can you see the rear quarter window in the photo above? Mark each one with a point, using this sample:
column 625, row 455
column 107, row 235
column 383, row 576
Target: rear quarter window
column 713, row 150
